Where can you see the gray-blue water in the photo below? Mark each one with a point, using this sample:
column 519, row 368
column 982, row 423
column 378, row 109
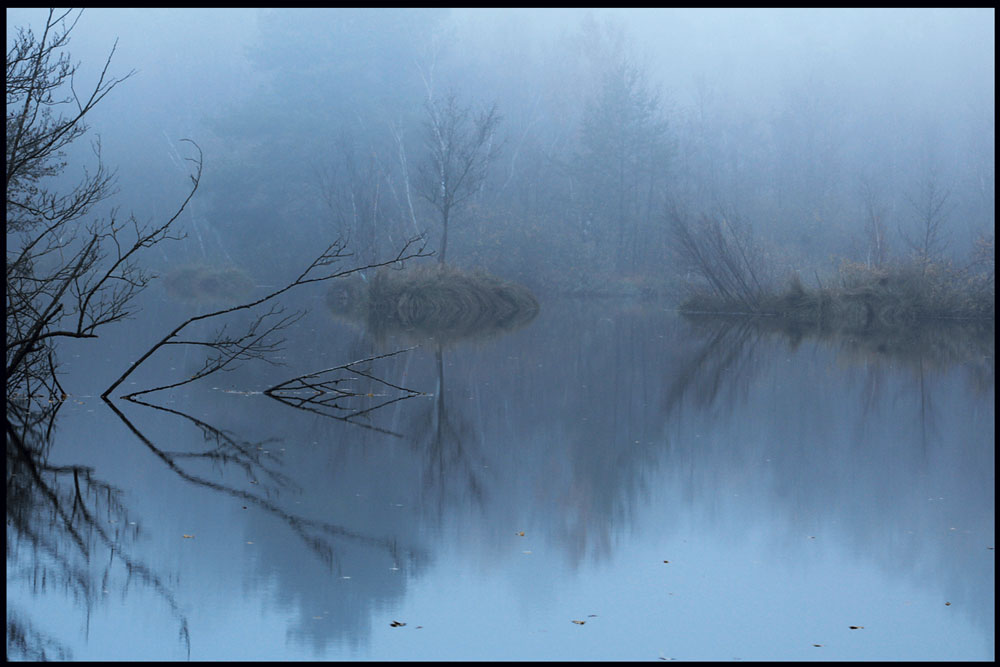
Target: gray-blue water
column 609, row 482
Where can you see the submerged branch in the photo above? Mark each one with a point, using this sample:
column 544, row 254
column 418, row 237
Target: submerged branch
column 326, row 398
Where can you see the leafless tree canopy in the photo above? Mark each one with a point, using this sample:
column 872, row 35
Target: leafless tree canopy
column 875, row 214
column 460, row 147
column 69, row 278
column 65, row 277
column 928, row 238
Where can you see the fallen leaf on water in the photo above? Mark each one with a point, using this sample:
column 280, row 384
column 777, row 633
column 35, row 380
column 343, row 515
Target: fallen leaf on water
column 579, row 622
column 666, row 561
column 188, row 537
column 396, row 624
column 591, row 615
column 947, row 604
column 817, row 645
column 856, row 627
column 521, row 534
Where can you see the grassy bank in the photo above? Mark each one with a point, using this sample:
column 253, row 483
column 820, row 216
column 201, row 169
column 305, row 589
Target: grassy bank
column 867, row 299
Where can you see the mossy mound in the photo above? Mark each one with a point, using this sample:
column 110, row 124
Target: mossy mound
column 205, row 284
column 434, row 302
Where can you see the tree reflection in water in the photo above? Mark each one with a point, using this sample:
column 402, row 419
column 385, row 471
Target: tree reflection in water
column 60, row 515
column 76, row 529
column 452, row 465
column 352, row 393
column 727, row 363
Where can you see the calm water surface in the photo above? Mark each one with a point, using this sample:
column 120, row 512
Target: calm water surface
column 610, row 482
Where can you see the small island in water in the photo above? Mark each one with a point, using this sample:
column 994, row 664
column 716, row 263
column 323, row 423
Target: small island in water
column 433, row 301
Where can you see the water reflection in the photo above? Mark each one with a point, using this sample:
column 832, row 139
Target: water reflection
column 68, row 533
column 597, row 431
column 885, row 444
column 449, row 444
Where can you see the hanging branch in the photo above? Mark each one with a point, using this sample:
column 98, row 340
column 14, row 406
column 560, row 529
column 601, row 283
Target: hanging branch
column 252, row 345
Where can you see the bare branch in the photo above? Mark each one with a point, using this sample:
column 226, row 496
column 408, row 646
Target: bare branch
column 249, row 345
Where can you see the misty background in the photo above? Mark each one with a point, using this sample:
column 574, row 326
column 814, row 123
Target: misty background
column 312, row 125
column 795, row 486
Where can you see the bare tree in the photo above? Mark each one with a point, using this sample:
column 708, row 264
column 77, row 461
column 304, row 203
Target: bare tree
column 65, row 277
column 625, row 157
column 460, row 148
column 877, row 251
column 929, row 239
column 68, row 279
column 352, row 191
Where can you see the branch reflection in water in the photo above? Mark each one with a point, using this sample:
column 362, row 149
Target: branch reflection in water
column 72, row 532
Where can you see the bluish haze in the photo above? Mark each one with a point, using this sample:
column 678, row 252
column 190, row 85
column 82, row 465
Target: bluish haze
column 603, row 479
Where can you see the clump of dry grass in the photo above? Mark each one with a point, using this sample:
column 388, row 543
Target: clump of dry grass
column 866, row 299
column 435, row 301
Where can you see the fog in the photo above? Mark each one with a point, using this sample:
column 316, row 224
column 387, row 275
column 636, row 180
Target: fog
column 530, row 428
column 777, row 117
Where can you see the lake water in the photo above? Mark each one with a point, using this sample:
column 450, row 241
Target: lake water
column 609, row 482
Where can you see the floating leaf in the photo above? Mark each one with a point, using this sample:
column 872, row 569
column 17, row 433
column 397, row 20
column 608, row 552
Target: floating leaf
column 396, row 624
column 188, row 537
column 856, row 627
column 579, row 622
column 947, row 604
column 666, row 561
column 520, row 534
column 817, row 645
